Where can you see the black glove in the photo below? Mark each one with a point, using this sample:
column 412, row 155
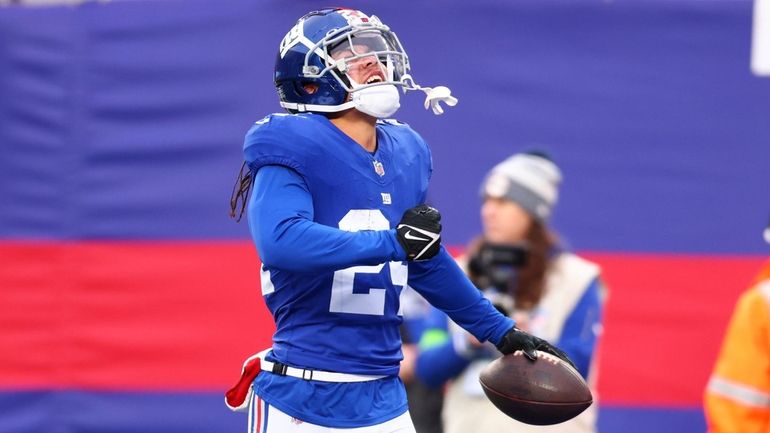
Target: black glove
column 419, row 232
column 516, row 339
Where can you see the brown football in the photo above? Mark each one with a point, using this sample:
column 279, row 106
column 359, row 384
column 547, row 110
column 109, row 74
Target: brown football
column 547, row 391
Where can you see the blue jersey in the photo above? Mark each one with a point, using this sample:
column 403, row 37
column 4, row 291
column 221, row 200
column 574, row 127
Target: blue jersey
column 322, row 215
column 355, row 309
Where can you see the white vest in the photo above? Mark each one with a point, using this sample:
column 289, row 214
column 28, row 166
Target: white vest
column 466, row 408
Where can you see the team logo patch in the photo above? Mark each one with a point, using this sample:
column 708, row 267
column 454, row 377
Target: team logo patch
column 354, row 17
column 386, row 198
column 378, row 168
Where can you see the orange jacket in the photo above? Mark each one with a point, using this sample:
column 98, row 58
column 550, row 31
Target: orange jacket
column 737, row 398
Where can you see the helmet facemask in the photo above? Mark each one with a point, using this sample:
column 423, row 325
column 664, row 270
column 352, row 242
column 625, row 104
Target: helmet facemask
column 348, row 55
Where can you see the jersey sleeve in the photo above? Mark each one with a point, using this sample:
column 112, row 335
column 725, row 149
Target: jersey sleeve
column 438, row 359
column 445, row 286
column 280, row 217
column 737, row 397
column 438, row 364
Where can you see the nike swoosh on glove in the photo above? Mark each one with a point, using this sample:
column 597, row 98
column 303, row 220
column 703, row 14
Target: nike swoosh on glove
column 419, row 232
column 516, row 339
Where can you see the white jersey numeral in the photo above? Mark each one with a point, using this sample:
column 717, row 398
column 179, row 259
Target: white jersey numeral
column 343, row 300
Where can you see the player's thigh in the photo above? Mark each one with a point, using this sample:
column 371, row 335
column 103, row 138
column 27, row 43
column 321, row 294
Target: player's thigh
column 264, row 418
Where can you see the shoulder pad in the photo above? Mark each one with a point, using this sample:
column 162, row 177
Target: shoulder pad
column 399, row 128
column 279, row 139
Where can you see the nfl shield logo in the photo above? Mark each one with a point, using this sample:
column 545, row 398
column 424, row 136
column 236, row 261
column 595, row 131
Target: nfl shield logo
column 378, row 168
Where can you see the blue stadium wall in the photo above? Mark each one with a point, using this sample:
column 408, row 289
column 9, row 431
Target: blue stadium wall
column 128, row 299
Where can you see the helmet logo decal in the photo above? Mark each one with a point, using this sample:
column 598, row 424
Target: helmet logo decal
column 291, row 39
column 353, row 16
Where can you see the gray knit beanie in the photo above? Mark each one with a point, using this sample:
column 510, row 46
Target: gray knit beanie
column 531, row 179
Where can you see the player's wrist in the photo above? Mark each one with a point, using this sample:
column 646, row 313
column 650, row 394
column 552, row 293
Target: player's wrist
column 399, row 251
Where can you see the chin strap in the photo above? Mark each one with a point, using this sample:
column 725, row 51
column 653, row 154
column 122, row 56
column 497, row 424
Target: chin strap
column 302, row 108
column 433, row 95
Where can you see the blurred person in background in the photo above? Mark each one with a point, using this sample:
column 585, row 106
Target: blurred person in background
column 425, row 402
column 737, row 397
column 519, row 265
column 337, row 219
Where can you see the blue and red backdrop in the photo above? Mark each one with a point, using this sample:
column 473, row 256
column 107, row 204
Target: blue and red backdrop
column 128, row 299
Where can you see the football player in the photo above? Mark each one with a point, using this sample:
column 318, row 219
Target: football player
column 336, row 214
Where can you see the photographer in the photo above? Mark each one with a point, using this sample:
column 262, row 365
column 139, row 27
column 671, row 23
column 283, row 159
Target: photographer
column 519, row 265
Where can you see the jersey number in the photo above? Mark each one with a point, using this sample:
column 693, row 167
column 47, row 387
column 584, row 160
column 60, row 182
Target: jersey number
column 343, row 299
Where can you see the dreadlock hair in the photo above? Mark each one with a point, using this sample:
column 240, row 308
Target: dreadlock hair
column 241, row 190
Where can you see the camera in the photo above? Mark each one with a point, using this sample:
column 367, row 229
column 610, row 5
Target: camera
column 493, row 268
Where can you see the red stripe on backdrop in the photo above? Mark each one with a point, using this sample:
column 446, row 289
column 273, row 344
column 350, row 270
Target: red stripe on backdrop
column 129, row 315
column 183, row 315
column 664, row 323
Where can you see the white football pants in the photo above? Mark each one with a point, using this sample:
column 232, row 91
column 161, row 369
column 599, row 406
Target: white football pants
column 264, row 418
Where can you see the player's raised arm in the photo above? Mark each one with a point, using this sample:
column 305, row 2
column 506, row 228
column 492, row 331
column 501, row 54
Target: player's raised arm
column 287, row 238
